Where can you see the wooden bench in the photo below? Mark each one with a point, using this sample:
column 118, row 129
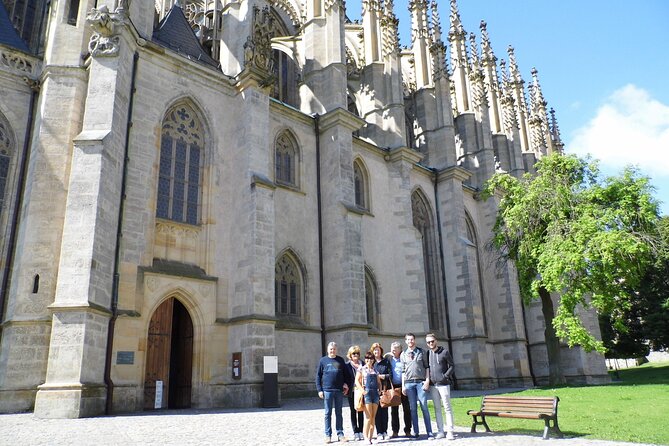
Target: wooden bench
column 527, row 407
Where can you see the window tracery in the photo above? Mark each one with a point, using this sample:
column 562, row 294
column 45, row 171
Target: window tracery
column 286, row 159
column 423, row 221
column 6, row 150
column 288, row 288
column 361, row 186
column 181, row 163
column 371, row 298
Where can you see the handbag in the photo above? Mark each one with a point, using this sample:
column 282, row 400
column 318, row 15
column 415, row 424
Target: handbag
column 391, row 397
column 359, row 400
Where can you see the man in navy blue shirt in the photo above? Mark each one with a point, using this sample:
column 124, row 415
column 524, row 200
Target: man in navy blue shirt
column 332, row 377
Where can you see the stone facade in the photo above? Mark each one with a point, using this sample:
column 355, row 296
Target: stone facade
column 277, row 179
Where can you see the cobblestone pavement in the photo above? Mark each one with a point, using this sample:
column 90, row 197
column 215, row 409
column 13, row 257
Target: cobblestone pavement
column 297, row 422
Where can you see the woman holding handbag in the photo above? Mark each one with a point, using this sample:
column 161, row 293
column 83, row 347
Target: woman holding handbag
column 354, row 363
column 368, row 380
column 382, row 367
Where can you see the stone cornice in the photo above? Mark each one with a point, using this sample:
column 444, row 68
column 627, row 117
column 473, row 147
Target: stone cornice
column 454, row 173
column 290, row 112
column 340, row 117
column 354, row 209
column 342, row 327
column 369, row 146
column 25, row 323
column 91, row 137
column 248, row 319
column 404, row 154
column 262, row 181
column 90, row 307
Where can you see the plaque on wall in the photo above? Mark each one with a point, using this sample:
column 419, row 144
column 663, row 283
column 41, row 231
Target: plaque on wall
column 125, row 358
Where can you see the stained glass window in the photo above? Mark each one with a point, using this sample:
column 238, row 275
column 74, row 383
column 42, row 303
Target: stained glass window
column 285, row 160
column 360, row 186
column 288, row 287
column 180, row 171
column 6, row 148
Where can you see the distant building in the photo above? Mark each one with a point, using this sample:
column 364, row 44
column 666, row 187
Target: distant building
column 187, row 188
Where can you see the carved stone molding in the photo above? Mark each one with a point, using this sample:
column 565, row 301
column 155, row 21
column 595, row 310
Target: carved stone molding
column 258, row 46
column 105, row 41
column 17, row 63
column 176, row 230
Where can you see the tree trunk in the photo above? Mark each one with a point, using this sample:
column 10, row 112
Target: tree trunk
column 555, row 375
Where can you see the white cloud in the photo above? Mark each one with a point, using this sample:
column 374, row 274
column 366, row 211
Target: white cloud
column 629, row 128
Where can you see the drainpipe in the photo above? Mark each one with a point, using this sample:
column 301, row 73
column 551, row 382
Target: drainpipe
column 321, row 286
column 18, row 200
column 117, row 254
column 442, row 269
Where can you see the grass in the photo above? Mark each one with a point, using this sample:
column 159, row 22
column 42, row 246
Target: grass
column 633, row 409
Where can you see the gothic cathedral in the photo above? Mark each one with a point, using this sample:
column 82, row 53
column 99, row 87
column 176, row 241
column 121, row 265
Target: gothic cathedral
column 189, row 187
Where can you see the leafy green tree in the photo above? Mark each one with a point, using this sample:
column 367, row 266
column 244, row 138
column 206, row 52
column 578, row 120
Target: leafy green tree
column 646, row 320
column 572, row 235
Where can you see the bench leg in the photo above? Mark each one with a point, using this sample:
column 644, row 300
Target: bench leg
column 555, row 429
column 476, row 422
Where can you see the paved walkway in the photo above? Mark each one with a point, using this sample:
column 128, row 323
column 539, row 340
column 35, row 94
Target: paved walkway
column 297, row 422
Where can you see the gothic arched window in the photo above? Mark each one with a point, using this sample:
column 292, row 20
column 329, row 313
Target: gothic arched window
column 288, row 287
column 361, row 185
column 181, row 163
column 423, row 220
column 476, row 275
column 286, row 160
column 6, row 151
column 285, row 78
column 371, row 298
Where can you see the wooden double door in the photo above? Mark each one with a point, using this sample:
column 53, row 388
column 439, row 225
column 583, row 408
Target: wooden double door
column 169, row 356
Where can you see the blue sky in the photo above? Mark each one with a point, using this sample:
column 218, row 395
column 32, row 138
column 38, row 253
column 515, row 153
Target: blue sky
column 602, row 65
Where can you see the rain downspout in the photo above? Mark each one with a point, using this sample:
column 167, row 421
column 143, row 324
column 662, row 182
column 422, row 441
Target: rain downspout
column 321, row 286
column 117, row 254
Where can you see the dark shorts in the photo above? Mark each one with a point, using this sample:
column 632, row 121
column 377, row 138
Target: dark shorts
column 372, row 397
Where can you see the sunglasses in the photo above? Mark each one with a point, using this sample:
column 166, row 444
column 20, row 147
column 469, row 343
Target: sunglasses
column 431, row 342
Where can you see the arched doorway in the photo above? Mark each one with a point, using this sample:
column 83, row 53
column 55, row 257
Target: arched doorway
column 169, row 356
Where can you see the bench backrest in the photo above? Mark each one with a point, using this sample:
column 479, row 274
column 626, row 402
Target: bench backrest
column 529, row 404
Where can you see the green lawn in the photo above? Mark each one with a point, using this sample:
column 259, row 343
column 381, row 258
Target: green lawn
column 635, row 409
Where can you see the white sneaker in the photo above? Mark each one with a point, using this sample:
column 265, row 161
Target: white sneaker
column 450, row 436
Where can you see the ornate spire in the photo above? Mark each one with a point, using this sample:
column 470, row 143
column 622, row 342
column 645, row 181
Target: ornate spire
column 538, row 119
column 537, row 101
column 474, row 60
column 456, row 23
column 513, row 66
column 389, row 22
column 420, row 42
column 555, row 131
column 476, row 76
column 436, row 22
column 437, row 49
column 486, row 49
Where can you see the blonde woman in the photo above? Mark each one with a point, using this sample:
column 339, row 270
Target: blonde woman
column 368, row 380
column 354, row 363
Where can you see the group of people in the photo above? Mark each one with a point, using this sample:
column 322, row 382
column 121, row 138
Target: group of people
column 419, row 373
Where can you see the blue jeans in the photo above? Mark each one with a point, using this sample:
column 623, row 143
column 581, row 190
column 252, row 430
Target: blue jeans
column 333, row 399
column 416, row 394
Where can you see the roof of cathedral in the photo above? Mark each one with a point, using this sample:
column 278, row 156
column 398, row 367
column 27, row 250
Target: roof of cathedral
column 8, row 35
column 175, row 33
